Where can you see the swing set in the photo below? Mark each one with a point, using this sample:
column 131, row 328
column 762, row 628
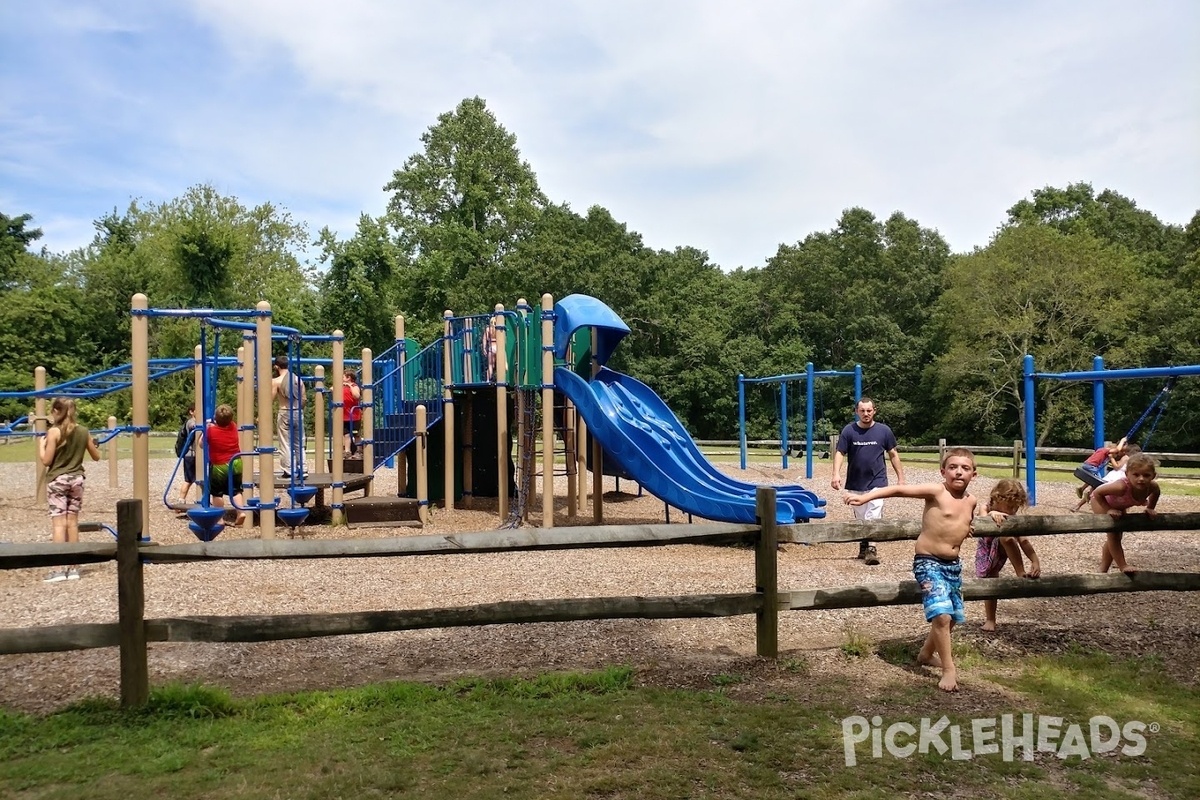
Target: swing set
column 1098, row 374
column 809, row 377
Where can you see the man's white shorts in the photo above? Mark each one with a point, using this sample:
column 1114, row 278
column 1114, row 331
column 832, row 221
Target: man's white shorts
column 869, row 510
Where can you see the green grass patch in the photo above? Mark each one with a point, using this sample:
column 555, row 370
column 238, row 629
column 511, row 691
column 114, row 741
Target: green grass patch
column 601, row 735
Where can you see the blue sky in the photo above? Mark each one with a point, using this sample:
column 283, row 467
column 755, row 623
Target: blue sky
column 729, row 127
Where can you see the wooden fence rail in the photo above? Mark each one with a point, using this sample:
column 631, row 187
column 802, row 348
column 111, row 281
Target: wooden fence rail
column 132, row 632
column 1016, row 455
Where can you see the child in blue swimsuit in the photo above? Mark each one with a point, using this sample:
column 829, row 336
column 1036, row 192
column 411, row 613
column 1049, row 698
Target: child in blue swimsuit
column 945, row 525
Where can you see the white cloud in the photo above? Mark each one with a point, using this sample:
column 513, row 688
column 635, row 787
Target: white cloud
column 728, row 128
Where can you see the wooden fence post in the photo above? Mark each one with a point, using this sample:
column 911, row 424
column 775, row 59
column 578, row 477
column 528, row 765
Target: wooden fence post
column 766, row 574
column 131, row 606
column 941, row 451
column 1016, row 458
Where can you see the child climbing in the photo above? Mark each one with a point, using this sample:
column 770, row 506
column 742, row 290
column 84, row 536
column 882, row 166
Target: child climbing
column 1137, row 488
column 1008, row 498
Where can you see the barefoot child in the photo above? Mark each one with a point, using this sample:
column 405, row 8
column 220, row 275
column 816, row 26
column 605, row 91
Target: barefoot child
column 1008, row 497
column 946, row 522
column 1137, row 488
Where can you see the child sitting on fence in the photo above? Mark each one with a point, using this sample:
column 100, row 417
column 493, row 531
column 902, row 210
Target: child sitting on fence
column 1008, row 497
column 1137, row 488
column 1091, row 472
column 945, row 524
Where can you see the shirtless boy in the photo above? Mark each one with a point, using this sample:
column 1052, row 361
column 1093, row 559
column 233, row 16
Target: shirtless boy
column 945, row 524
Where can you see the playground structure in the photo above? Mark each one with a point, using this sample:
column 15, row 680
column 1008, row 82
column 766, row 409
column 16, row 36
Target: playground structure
column 809, row 377
column 1098, row 375
column 559, row 354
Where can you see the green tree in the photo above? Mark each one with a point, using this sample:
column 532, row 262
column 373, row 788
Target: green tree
column 1032, row 290
column 858, row 294
column 14, row 242
column 358, row 290
column 1108, row 216
column 459, row 207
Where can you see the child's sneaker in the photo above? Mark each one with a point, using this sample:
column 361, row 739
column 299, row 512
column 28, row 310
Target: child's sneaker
column 73, row 574
column 55, row 576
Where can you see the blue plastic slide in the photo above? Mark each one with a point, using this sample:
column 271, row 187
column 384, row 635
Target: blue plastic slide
column 636, row 428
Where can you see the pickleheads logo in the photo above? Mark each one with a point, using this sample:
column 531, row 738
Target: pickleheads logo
column 1002, row 736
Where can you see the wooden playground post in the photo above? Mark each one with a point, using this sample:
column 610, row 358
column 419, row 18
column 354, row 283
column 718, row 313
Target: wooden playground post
column 501, row 376
column 367, row 379
column 401, row 459
column 112, row 453
column 40, row 426
column 338, row 516
column 448, row 410
column 140, row 375
column 422, row 466
column 581, row 458
column 266, row 439
column 547, row 411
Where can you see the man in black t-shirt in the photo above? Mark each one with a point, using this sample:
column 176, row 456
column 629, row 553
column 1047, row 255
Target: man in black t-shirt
column 863, row 444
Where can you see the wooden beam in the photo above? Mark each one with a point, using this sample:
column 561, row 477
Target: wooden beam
column 766, row 575
column 131, row 605
column 299, row 626
column 891, row 530
column 55, row 554
column 58, row 638
column 482, row 542
column 908, row 592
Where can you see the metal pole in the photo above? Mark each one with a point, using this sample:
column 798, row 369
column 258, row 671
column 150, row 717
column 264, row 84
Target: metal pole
column 1030, row 435
column 783, row 428
column 742, row 416
column 808, row 418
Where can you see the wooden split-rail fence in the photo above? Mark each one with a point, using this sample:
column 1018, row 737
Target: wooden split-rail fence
column 132, row 632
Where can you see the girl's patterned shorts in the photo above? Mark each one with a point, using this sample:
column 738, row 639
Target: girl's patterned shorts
column 65, row 494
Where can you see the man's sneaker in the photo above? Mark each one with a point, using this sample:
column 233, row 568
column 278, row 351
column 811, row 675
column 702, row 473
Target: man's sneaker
column 55, row 576
column 871, row 556
column 73, row 574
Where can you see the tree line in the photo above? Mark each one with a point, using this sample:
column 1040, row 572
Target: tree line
column 1070, row 273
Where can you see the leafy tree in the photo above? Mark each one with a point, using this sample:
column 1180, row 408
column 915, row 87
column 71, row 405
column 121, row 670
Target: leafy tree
column 1108, row 216
column 357, row 291
column 199, row 250
column 459, row 207
column 14, row 242
column 858, row 294
column 1032, row 290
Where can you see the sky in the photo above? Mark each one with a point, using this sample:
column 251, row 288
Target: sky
column 733, row 128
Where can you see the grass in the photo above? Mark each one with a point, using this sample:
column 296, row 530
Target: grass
column 601, row 735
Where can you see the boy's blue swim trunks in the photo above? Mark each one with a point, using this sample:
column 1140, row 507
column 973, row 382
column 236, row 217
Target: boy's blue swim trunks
column 941, row 586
